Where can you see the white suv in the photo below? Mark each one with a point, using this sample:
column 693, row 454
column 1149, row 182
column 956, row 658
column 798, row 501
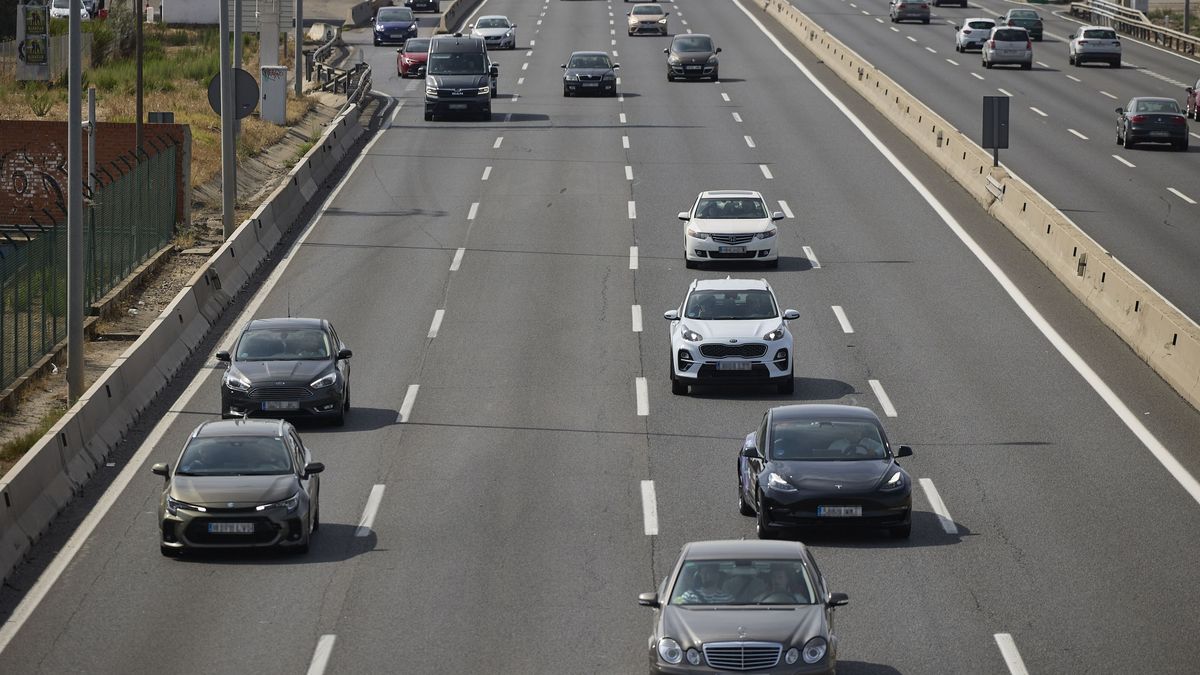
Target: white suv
column 730, row 225
column 730, row 330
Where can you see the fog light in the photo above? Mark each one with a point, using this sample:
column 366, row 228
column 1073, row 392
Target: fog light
column 767, row 252
column 781, row 355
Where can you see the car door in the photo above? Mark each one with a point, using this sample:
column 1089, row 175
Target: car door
column 310, row 485
column 343, row 365
column 753, row 466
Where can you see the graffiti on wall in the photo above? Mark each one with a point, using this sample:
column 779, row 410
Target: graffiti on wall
column 31, row 179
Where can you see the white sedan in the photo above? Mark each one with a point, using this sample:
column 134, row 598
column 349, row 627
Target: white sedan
column 730, row 225
column 731, row 331
column 497, row 32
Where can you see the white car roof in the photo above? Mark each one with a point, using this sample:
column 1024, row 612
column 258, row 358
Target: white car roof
column 491, row 16
column 728, row 284
column 718, row 194
column 979, row 18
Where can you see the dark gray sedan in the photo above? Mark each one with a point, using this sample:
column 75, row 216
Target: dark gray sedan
column 743, row 605
column 590, row 73
column 1152, row 120
column 692, row 56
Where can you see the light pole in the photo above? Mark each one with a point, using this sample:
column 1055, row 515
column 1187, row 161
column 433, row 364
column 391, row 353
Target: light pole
column 299, row 46
column 228, row 159
column 75, row 270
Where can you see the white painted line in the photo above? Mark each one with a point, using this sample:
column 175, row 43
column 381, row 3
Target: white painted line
column 811, row 258
column 621, row 98
column 689, row 30
column 532, row 42
column 884, row 401
column 487, row 171
column 437, row 323
column 1003, row 91
column 539, row 22
column 621, row 117
column 1012, row 657
column 610, row 22
column 1073, row 78
column 618, row 81
column 614, row 42
column 457, row 261
column 766, row 172
column 637, row 318
column 320, row 657
column 894, row 29
column 612, row 32
column 529, row 53
column 952, row 62
column 1193, row 134
column 643, row 398
column 392, row 120
column 843, row 319
column 632, row 209
column 865, row 12
column 496, row 145
column 1042, row 64
column 1076, row 133
column 1038, row 111
column 749, row 141
column 878, row 20
column 931, row 50
column 977, row 76
column 472, row 14
column 1125, row 161
column 473, row 211
column 515, row 97
column 725, row 97
column 854, row 5
column 649, row 508
column 1182, row 196
column 628, row 172
column 633, row 258
column 939, row 507
column 525, row 66
column 1109, row 95
column 683, row 21
column 911, row 38
column 737, row 117
column 625, row 142
column 368, row 517
column 615, row 53
column 406, row 406
column 520, row 81
column 787, row 210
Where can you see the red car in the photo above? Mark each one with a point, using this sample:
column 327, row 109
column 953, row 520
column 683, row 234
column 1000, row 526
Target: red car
column 1191, row 107
column 410, row 59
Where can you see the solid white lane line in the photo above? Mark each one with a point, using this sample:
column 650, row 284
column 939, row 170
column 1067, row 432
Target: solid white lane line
column 811, row 258
column 520, row 80
column 1038, row 111
column 392, row 120
column 749, row 141
column 952, row 62
column 406, row 406
column 649, row 508
column 1076, row 133
column 487, row 171
column 496, row 145
column 787, row 210
column 637, row 318
column 911, row 38
column 843, row 319
column 625, row 142
column 1073, row 78
column 633, row 258
column 931, row 50
column 1012, row 657
column 436, row 323
column 621, row 117
column 884, row 401
column 1125, row 161
column 457, row 261
column 1194, row 134
column 1131, row 420
column 643, row 397
column 628, row 172
column 632, row 209
column 939, row 507
column 320, row 657
column 1182, row 196
column 766, row 171
column 368, row 517
column 737, row 117
column 725, row 97
column 977, row 76
column 474, row 210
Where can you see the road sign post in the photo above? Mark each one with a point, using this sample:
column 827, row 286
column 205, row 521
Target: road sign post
column 995, row 125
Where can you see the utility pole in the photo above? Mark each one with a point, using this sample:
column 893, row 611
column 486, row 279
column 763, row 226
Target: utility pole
column 299, row 47
column 138, row 138
column 75, row 270
column 1187, row 16
column 237, row 56
column 91, row 127
column 228, row 159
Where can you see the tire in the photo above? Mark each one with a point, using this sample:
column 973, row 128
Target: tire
column 1182, row 146
column 1126, row 141
column 428, row 117
column 1114, row 64
column 1027, row 66
column 788, row 387
column 565, row 92
column 901, row 532
column 376, row 43
column 1071, row 60
column 763, row 530
column 169, row 552
column 925, row 21
column 690, row 264
column 678, row 387
column 486, row 115
column 670, row 77
column 987, row 66
column 317, row 518
column 743, row 508
column 338, row 420
column 715, row 75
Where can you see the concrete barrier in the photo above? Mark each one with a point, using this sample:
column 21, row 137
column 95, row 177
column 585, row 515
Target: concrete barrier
column 1158, row 332
column 360, row 14
column 453, row 15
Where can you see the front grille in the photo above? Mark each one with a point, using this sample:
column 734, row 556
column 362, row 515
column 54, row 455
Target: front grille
column 264, row 532
column 590, row 78
column 732, row 256
column 742, row 655
column 279, row 393
column 758, row 371
column 736, row 239
column 750, row 350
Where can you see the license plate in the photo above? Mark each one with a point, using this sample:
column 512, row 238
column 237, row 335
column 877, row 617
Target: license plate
column 231, row 528
column 732, row 249
column 839, row 511
column 1160, row 133
column 458, row 106
column 281, row 405
column 591, row 84
column 734, row 365
column 692, row 67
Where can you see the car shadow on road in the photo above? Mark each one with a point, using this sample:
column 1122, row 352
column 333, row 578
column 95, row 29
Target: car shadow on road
column 806, row 389
column 358, row 419
column 333, row 542
column 927, row 532
column 527, row 117
column 864, row 668
column 786, row 264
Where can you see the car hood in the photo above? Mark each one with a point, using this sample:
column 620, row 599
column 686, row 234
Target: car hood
column 241, row 491
column 731, row 225
column 394, row 25
column 589, row 72
column 490, row 32
column 791, row 626
column 748, row 330
column 260, row 372
column 646, row 18
column 692, row 58
column 457, row 81
column 820, row 476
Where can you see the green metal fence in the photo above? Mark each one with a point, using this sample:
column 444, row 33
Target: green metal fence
column 130, row 215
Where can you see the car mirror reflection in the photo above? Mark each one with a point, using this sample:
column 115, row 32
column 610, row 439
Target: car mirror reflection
column 313, row 467
column 790, row 315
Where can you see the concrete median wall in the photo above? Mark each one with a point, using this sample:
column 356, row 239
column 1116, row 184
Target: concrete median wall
column 1161, row 334
column 52, row 472
column 454, row 13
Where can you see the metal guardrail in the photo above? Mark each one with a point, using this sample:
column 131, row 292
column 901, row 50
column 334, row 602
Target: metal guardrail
column 354, row 82
column 1135, row 24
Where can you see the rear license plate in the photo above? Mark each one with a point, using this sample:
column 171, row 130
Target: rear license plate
column 281, row 405
column 839, row 511
column 734, row 365
column 732, row 249
column 1160, row 133
column 231, row 528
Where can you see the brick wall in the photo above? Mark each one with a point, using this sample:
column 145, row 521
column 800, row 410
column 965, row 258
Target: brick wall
column 33, row 164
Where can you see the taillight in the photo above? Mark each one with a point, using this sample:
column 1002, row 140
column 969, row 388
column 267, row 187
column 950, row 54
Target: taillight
column 1083, row 42
column 966, row 31
column 1137, row 119
column 1178, row 121
column 991, row 44
column 1028, row 44
column 924, row 6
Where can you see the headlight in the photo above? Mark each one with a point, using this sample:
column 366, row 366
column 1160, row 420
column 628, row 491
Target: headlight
column 484, row 90
column 690, row 335
column 696, row 234
column 174, row 505
column 669, row 650
column 814, row 650
column 693, row 657
column 322, row 382
column 776, row 334
column 712, row 59
column 663, row 20
column 290, row 504
column 236, row 381
column 508, row 34
column 792, row 656
column 673, row 60
column 609, row 77
column 571, row 77
column 776, row 482
column 431, row 90
column 894, row 482
column 769, row 234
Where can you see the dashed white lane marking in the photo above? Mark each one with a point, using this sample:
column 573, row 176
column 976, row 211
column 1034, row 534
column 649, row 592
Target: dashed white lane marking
column 878, row 20
column 911, row 38
column 529, row 53
column 952, row 62
column 615, row 53
column 894, row 29
column 473, row 211
column 457, row 261
column 632, row 209
column 368, row 517
column 1073, row 78
column 520, row 81
column 1125, row 161
column 406, row 406
column 1164, row 78
column 539, row 22
column 737, row 117
column 749, row 141
column 614, row 42
column 787, row 210
column 625, row 142
column 1105, row 93
column 621, row 117
column 649, row 508
column 939, row 507
column 612, row 32
column 392, row 120
column 931, row 50
column 1182, row 196
column 689, row 30
column 683, row 21
column 1038, row 111
column 865, row 12
column 1076, row 133
column 532, row 43
column 487, row 171
column 508, row 115
column 633, row 258
column 496, row 145
column 643, row 397
column 610, row 22
column 1004, row 91
column 436, row 323
column 1042, row 64
column 628, row 172
column 1012, row 657
column 525, row 66
column 320, row 657
column 843, row 319
column 725, row 97
column 621, row 98
column 977, row 76
column 618, row 81
column 811, row 258
column 515, row 97
column 637, row 318
column 854, row 5
column 766, row 172
column 884, row 401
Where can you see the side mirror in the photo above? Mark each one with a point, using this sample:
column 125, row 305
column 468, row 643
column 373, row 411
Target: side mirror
column 671, row 315
column 718, row 51
column 616, row 66
column 223, row 356
column 751, row 452
column 1119, row 111
column 778, row 215
column 400, row 50
column 956, row 27
column 344, row 354
column 684, row 215
column 513, row 26
column 626, row 13
column 161, row 469
column 790, row 315
column 648, row 600
column 837, row 600
column 903, row 451
column 494, row 71
column 1190, row 90
column 313, row 467
column 563, row 66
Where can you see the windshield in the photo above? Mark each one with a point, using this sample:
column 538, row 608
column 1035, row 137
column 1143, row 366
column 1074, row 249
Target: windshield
column 284, row 344
column 1157, row 106
column 456, row 63
column 981, row 24
column 693, row 44
column 396, row 14
column 1100, row 34
column 235, row 456
column 731, row 305
column 588, row 61
column 731, row 208
column 492, row 23
column 417, row 45
column 743, row 582
column 62, row 4
column 826, row 440
column 647, row 9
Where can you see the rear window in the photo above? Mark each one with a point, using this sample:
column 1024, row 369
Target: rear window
column 1100, row 34
column 1156, row 106
column 1009, row 35
column 1022, row 14
column 981, row 24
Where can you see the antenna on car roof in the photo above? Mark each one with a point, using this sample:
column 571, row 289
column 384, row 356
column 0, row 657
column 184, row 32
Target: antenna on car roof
column 289, row 304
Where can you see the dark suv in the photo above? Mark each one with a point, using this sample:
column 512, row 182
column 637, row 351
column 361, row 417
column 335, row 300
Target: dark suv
column 287, row 368
column 1024, row 18
column 459, row 77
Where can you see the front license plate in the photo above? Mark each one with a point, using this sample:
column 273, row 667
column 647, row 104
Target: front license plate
column 693, row 67
column 732, row 249
column 591, row 84
column 231, row 528
column 458, row 106
column 281, row 405
column 734, row 365
column 839, row 511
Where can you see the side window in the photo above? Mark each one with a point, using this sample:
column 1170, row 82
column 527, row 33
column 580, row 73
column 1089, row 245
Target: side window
column 297, row 450
column 762, row 437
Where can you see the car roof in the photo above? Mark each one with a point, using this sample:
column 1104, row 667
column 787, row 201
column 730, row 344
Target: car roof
column 820, row 411
column 240, row 427
column 286, row 322
column 729, row 283
column 717, row 194
column 979, row 18
column 456, row 43
column 1163, row 99
column 491, row 16
column 589, row 53
column 1021, row 11
column 742, row 548
column 648, row 4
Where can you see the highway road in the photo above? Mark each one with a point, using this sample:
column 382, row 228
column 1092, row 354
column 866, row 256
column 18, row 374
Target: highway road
column 506, row 486
column 1141, row 204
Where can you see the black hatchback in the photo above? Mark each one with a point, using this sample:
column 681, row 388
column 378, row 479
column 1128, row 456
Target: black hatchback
column 692, row 56
column 287, row 368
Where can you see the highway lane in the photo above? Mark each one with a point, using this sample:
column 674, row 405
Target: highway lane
column 511, row 533
column 1063, row 129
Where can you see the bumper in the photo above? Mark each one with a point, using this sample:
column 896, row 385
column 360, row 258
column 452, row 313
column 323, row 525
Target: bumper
column 973, row 44
column 1158, row 135
column 500, row 43
column 271, row 528
column 707, row 249
column 411, row 69
column 996, row 57
column 592, row 87
column 910, row 15
column 827, row 666
column 689, row 365
column 385, row 38
column 878, row 510
column 458, row 104
column 1096, row 55
column 691, row 71
column 648, row 29
column 325, row 402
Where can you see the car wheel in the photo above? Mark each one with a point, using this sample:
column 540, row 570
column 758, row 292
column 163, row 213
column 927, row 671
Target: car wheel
column 679, row 387
column 1126, row 141
column 1183, row 146
column 670, row 77
column 1027, row 66
column 1119, row 138
column 690, row 264
column 428, row 117
column 1115, row 64
column 566, row 92
column 486, row 115
column 316, row 523
column 1071, row 60
column 338, row 420
column 169, row 552
column 902, row 531
column 787, row 387
column 743, row 508
column 925, row 21
column 763, row 530
column 376, row 43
